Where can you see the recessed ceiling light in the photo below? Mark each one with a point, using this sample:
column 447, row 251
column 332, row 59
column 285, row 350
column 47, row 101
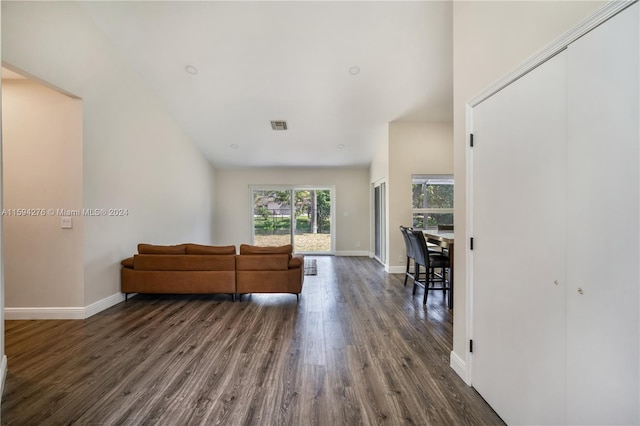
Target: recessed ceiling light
column 341, row 146
column 354, row 70
column 234, row 146
column 191, row 69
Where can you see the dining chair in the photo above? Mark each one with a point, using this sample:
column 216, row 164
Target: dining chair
column 409, row 249
column 430, row 261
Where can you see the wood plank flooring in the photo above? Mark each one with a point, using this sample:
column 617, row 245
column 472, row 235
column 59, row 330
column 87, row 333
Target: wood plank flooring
column 357, row 349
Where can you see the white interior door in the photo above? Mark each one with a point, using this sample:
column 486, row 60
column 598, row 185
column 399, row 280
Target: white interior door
column 518, row 261
column 603, row 227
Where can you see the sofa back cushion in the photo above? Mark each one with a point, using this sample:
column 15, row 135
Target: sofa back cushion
column 202, row 249
column 274, row 262
column 156, row 249
column 249, row 249
column 184, row 262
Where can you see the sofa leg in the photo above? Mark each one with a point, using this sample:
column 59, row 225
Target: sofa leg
column 297, row 297
column 233, row 297
column 126, row 297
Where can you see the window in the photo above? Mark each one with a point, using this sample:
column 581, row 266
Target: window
column 432, row 200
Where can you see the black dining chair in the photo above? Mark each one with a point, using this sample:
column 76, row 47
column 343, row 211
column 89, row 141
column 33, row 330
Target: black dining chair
column 430, row 261
column 410, row 257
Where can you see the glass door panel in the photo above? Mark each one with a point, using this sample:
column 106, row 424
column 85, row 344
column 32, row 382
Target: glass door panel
column 312, row 232
column 271, row 217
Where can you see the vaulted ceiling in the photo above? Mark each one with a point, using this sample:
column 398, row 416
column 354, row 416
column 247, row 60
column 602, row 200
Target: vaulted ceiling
column 337, row 72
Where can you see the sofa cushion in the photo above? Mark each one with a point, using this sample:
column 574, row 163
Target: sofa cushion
column 275, row 262
column 202, row 249
column 156, row 249
column 249, row 249
column 186, row 262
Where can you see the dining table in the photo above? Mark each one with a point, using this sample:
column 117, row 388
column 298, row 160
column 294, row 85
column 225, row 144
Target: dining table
column 443, row 239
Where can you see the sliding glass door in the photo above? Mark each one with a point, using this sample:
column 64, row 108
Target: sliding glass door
column 302, row 217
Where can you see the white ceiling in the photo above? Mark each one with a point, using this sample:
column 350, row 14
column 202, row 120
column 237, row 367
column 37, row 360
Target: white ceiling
column 262, row 61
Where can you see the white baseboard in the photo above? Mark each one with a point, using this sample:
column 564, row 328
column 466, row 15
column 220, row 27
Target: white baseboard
column 53, row 313
column 43, row 313
column 103, row 304
column 397, row 269
column 459, row 366
column 353, row 253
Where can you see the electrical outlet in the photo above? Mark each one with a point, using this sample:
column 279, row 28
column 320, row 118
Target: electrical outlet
column 66, row 222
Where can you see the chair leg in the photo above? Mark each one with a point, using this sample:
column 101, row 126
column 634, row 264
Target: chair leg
column 428, row 280
column 406, row 273
column 416, row 275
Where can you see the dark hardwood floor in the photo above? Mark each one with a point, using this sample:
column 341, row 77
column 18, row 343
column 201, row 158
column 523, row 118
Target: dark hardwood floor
column 356, row 349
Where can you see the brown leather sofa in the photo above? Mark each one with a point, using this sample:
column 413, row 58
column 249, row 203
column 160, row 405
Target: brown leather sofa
column 200, row 269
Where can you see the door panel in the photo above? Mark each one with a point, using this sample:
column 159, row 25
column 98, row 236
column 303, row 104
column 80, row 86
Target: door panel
column 603, row 229
column 313, row 225
column 272, row 217
column 518, row 261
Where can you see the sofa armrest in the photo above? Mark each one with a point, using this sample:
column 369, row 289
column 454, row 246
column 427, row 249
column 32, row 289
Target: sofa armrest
column 127, row 263
column 296, row 261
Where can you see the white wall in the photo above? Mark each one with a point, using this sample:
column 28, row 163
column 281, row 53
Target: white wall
column 42, row 159
column 135, row 157
column 414, row 148
column 234, row 209
column 489, row 39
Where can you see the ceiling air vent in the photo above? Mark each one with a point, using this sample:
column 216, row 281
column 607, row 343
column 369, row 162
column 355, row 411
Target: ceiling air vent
column 278, row 125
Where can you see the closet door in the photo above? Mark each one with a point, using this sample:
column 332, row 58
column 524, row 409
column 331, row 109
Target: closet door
column 603, row 225
column 518, row 224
